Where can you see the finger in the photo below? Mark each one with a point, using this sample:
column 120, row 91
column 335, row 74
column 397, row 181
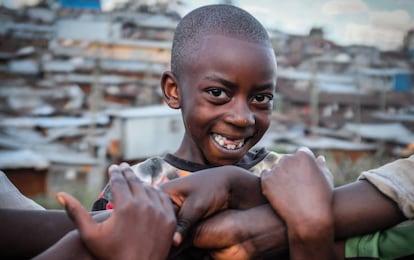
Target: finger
column 189, row 210
column 119, row 186
column 306, row 150
column 265, row 174
column 166, row 203
column 170, row 214
column 77, row 213
column 176, row 190
column 153, row 195
column 321, row 162
column 177, row 239
column 135, row 185
column 160, row 200
column 189, row 213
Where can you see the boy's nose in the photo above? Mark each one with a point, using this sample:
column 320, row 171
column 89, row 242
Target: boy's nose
column 241, row 115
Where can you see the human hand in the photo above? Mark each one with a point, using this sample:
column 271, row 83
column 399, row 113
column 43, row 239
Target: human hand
column 242, row 234
column 140, row 227
column 297, row 186
column 203, row 193
column 299, row 191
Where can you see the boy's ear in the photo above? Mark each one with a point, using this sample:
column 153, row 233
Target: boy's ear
column 169, row 86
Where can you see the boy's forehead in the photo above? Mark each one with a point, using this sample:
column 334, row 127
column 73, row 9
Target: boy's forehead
column 216, row 53
column 217, row 44
column 225, row 46
column 216, row 39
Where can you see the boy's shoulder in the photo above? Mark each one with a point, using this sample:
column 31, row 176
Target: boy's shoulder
column 258, row 160
column 157, row 170
column 396, row 181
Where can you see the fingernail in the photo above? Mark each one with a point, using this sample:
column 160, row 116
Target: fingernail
column 124, row 165
column 112, row 167
column 306, row 150
column 61, row 200
column 177, row 238
column 322, row 158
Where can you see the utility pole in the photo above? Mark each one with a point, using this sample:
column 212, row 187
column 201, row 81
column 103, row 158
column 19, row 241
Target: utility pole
column 358, row 104
column 314, row 98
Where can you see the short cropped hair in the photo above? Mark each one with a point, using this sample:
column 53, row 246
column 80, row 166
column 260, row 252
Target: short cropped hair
column 218, row 19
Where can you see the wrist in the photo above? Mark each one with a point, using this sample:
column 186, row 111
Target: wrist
column 244, row 189
column 312, row 240
column 312, row 228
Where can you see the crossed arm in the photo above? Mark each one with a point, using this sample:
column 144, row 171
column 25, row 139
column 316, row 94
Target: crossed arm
column 357, row 208
column 231, row 230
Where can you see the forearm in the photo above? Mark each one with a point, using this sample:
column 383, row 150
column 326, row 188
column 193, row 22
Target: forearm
column 26, row 233
column 359, row 208
column 69, row 247
column 231, row 227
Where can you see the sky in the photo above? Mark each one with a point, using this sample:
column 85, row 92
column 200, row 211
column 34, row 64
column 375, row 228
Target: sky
column 380, row 23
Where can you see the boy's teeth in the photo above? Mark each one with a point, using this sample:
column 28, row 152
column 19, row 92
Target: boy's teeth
column 228, row 144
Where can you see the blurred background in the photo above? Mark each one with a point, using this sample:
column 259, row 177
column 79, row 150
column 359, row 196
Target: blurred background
column 79, row 86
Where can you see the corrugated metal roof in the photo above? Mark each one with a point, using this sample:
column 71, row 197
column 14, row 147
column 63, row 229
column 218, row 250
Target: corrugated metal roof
column 318, row 142
column 394, row 132
column 395, row 117
column 148, row 111
column 50, row 122
column 22, row 159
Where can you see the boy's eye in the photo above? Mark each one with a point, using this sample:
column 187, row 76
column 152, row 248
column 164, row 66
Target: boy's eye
column 218, row 93
column 262, row 99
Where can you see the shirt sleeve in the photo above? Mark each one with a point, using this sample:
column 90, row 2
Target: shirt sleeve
column 146, row 171
column 396, row 181
column 392, row 243
column 12, row 198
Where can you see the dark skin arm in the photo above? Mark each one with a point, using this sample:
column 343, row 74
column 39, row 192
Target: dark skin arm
column 269, row 237
column 27, row 233
column 233, row 232
column 69, row 247
column 358, row 208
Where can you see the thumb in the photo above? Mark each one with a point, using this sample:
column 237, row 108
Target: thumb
column 188, row 215
column 83, row 221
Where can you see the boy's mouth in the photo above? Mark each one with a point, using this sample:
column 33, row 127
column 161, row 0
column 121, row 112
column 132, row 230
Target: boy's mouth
column 228, row 143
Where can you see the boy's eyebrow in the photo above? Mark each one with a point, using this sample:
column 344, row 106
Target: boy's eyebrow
column 230, row 84
column 222, row 81
column 264, row 87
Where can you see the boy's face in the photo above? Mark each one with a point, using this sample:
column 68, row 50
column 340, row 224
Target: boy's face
column 226, row 99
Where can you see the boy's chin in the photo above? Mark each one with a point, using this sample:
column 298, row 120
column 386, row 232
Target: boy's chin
column 223, row 156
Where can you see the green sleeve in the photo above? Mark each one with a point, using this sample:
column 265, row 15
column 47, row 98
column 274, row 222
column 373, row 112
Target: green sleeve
column 391, row 243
